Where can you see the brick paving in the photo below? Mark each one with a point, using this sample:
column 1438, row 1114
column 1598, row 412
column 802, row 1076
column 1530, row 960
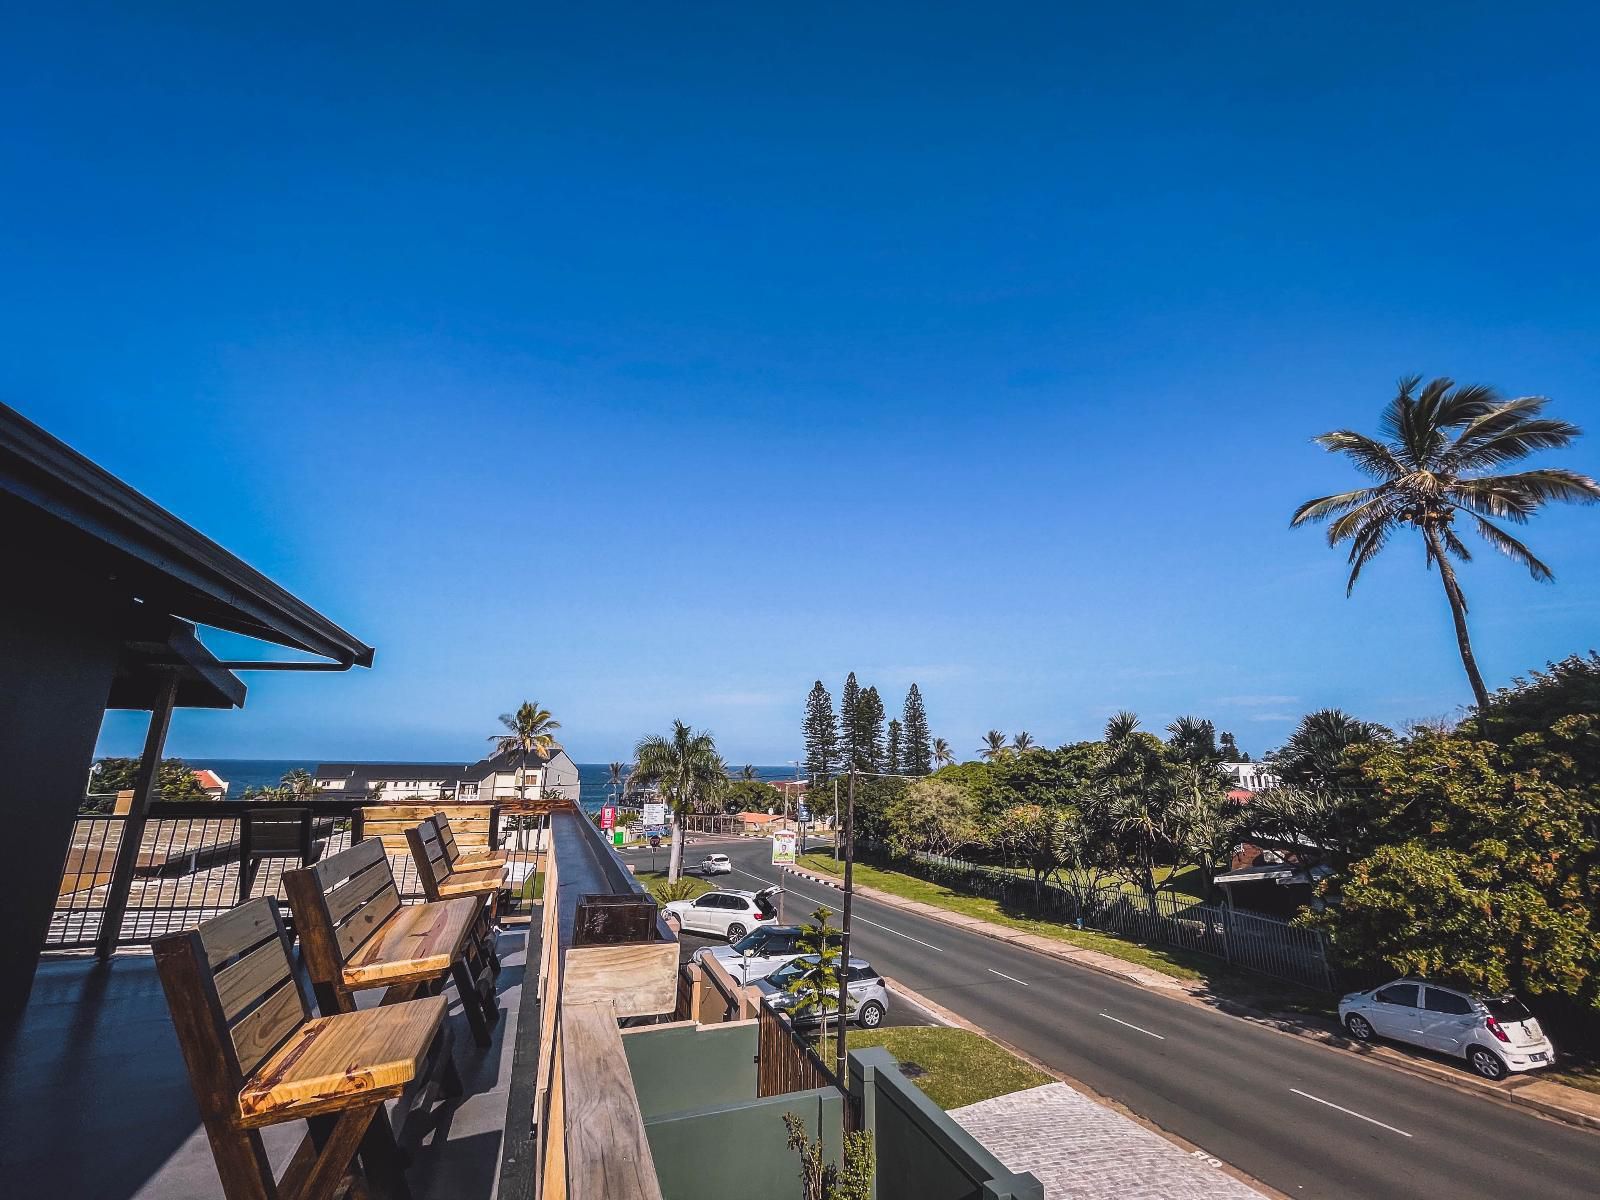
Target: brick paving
column 1082, row 1150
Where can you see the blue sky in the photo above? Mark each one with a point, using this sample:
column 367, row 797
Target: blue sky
column 654, row 361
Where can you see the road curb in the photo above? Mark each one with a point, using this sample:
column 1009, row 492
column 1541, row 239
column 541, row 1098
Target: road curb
column 1507, row 1094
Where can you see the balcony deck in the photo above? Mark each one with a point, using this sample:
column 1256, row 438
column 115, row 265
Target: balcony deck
column 95, row 1104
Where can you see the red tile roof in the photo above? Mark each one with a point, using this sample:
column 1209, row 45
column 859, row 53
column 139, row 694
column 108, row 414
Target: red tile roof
column 210, row 779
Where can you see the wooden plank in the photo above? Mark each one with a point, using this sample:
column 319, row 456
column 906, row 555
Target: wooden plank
column 466, row 883
column 375, row 1053
column 607, row 1153
column 237, row 930
column 552, row 1133
column 640, row 978
column 420, row 942
column 348, row 862
column 358, row 889
column 242, row 983
column 365, row 921
column 260, row 1033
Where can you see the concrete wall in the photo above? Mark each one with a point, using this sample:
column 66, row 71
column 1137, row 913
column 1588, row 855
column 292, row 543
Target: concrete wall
column 740, row 1150
column 922, row 1154
column 56, row 669
column 687, row 1066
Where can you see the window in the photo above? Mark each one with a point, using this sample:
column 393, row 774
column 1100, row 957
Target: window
column 1448, row 1002
column 1401, row 993
column 1508, row 1009
column 708, row 901
column 859, row 973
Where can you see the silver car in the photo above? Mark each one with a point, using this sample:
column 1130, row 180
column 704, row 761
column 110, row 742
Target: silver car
column 1495, row 1034
column 868, row 1001
column 758, row 954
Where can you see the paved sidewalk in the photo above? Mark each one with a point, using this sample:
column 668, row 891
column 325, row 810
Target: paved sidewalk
column 1078, row 1149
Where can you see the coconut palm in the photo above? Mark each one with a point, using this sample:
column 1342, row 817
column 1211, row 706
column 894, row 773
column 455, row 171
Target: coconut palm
column 1313, row 754
column 529, row 730
column 689, row 772
column 1023, row 742
column 1438, row 461
column 942, row 757
column 747, row 772
column 616, row 773
column 994, row 746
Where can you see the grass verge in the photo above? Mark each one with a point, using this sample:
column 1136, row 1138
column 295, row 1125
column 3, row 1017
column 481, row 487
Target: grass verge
column 653, row 880
column 954, row 1067
column 1585, row 1076
column 1258, row 991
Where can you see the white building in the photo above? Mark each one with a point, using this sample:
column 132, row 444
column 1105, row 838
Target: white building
column 1251, row 776
column 490, row 780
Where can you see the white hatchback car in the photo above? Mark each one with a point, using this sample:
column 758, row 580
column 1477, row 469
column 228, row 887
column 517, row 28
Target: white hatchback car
column 725, row 913
column 716, row 864
column 1495, row 1034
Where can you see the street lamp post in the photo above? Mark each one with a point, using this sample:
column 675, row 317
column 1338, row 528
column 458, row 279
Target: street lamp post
column 843, row 1022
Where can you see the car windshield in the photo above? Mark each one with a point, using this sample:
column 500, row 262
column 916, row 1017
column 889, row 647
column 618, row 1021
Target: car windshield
column 751, row 943
column 793, row 970
column 1507, row 1008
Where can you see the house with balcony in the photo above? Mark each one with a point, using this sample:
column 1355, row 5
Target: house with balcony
column 491, row 780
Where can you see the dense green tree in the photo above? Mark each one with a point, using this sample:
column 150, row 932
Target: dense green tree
column 1193, row 740
column 1135, row 778
column 688, row 770
column 869, row 733
column 892, row 751
column 917, row 755
column 1532, row 705
column 1441, row 460
column 874, row 795
column 750, row 795
column 977, row 779
column 821, row 730
column 1036, row 836
column 1050, row 778
column 850, row 724
column 1314, row 755
column 931, row 815
column 1230, row 749
column 174, row 779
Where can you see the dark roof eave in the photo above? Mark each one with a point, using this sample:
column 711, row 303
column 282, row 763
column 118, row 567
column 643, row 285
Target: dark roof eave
column 216, row 588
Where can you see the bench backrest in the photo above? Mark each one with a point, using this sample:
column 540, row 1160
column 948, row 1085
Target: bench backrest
column 434, row 864
column 338, row 904
column 473, row 824
column 233, row 996
column 447, row 837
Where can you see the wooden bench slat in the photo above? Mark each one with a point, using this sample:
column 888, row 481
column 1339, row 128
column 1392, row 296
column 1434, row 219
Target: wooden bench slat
column 364, row 920
column 358, row 889
column 348, row 862
column 241, row 984
column 260, row 1033
column 237, row 930
column 377, row 1050
column 423, row 940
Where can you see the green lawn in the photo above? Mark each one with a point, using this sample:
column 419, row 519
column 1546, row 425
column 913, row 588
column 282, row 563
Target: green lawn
column 960, row 1067
column 653, row 880
column 533, row 887
column 1585, row 1076
column 1256, row 990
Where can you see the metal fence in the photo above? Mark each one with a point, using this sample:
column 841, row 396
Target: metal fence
column 1255, row 942
column 197, row 859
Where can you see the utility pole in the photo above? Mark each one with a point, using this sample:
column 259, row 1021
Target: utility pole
column 844, row 936
column 835, row 818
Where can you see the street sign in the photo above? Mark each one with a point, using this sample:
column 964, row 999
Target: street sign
column 655, row 814
column 783, row 846
column 803, row 814
column 608, row 818
column 655, row 841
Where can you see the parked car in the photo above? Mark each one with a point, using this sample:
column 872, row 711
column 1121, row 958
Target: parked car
column 716, row 864
column 725, row 913
column 1495, row 1034
column 869, row 994
column 757, row 954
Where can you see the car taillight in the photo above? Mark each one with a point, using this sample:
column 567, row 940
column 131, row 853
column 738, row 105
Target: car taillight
column 1493, row 1027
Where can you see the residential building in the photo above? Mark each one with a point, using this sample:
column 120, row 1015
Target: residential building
column 212, row 784
column 1251, row 776
column 491, row 780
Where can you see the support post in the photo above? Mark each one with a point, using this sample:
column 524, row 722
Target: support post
column 144, row 787
column 843, row 1023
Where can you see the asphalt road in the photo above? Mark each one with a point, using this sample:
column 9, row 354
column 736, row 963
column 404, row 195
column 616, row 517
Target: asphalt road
column 1309, row 1120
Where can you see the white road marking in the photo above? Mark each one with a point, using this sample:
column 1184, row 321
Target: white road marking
column 1350, row 1112
column 1003, row 975
column 1130, row 1025
column 853, row 916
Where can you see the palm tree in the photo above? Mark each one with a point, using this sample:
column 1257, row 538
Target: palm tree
column 1023, row 742
column 1315, row 750
column 1137, row 780
column 1429, row 471
column 616, row 772
column 942, row 757
column 994, row 746
column 1193, row 740
column 687, row 769
column 297, row 783
column 528, row 730
column 747, row 772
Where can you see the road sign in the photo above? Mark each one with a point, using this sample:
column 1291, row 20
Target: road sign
column 608, row 817
column 803, row 814
column 655, row 814
column 783, row 846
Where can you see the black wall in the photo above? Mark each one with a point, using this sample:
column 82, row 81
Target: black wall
column 57, row 659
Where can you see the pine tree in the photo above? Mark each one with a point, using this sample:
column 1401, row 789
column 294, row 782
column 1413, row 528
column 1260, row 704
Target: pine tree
column 869, row 735
column 892, row 751
column 916, row 746
column 850, row 722
column 821, row 733
column 1230, row 750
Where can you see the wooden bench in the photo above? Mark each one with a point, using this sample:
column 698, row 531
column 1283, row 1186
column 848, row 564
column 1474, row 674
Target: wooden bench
column 355, row 934
column 440, row 881
column 283, row 833
column 257, row 1057
column 459, row 860
column 474, row 827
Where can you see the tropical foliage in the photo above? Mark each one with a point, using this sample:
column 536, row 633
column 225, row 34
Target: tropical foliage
column 1440, row 465
column 174, row 779
column 689, row 773
column 529, row 730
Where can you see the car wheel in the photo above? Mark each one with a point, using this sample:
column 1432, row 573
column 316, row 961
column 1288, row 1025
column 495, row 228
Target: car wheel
column 1486, row 1062
column 1360, row 1028
column 735, row 932
column 870, row 1015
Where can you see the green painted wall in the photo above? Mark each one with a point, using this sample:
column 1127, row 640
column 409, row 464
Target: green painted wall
column 739, row 1151
column 683, row 1067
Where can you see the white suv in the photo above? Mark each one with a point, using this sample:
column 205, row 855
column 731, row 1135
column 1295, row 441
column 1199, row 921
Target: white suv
column 1495, row 1034
column 725, row 913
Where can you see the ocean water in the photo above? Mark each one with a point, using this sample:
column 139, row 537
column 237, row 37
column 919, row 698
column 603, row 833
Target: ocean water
column 593, row 778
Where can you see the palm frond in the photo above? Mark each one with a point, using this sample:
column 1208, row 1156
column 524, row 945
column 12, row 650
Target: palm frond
column 1366, row 546
column 1326, row 506
column 1370, row 456
column 1381, row 509
column 1513, row 549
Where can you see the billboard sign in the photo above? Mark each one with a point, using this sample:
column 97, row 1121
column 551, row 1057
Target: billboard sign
column 783, row 846
column 608, row 817
column 655, row 814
